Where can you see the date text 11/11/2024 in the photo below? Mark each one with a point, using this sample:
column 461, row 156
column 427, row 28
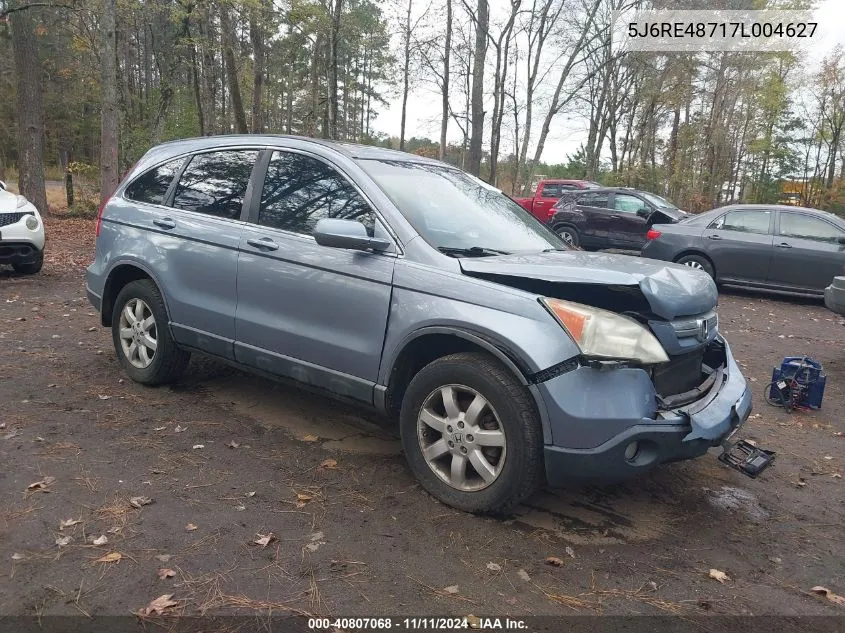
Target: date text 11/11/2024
column 469, row 622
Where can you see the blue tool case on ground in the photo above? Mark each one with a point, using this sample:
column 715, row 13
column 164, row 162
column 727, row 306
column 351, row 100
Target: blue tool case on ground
column 808, row 373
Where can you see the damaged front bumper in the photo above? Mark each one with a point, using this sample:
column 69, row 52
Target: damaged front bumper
column 608, row 425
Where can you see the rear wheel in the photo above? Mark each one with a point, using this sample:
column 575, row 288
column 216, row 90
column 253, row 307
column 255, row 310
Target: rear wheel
column 142, row 339
column 471, row 434
column 568, row 235
column 698, row 262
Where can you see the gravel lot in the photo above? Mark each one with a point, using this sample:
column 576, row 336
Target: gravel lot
column 227, row 458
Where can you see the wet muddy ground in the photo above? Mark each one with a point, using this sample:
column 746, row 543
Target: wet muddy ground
column 226, row 458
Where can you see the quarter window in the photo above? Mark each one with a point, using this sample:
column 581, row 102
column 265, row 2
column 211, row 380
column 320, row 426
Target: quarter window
column 744, row 222
column 299, row 191
column 152, row 186
column 214, row 183
column 805, row 227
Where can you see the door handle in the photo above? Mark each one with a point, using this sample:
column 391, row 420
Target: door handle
column 614, row 217
column 714, row 237
column 784, row 245
column 264, row 243
column 165, row 223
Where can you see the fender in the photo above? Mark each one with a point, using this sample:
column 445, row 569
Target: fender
column 140, row 266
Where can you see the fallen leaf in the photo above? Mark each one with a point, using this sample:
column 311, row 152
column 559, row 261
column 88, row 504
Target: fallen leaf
column 312, row 547
column 328, row 463
column 554, row 560
column 570, row 551
column 721, row 576
column 250, row 494
column 63, row 540
column 159, row 428
column 451, row 589
column 494, row 567
column 68, row 523
column 114, row 530
column 523, row 575
column 190, row 527
column 41, row 485
column 198, row 446
column 102, row 397
column 17, row 556
column 302, row 499
column 233, row 444
column 836, row 476
column 159, row 605
column 827, row 593
column 309, row 438
column 163, row 557
column 111, row 557
column 317, row 536
column 166, row 573
column 828, row 457
column 100, row 540
column 137, row 502
column 473, row 621
column 264, row 539
column 179, row 428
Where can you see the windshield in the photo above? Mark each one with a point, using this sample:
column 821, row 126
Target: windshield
column 454, row 211
column 658, row 201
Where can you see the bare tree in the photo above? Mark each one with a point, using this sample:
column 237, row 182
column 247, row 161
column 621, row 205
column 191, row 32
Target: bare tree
column 482, row 23
column 447, row 49
column 108, row 114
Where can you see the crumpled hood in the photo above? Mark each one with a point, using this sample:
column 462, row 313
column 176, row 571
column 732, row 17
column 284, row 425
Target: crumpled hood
column 670, row 289
column 8, row 202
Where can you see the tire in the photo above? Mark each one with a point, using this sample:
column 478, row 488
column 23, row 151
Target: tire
column 167, row 361
column 30, row 268
column 699, row 263
column 509, row 415
column 569, row 235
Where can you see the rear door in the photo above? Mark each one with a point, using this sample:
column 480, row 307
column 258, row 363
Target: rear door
column 309, row 312
column 628, row 228
column 807, row 253
column 740, row 244
column 597, row 225
column 546, row 198
column 191, row 241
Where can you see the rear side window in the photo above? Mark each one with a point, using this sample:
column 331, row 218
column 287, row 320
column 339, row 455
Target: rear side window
column 299, row 191
column 594, row 200
column 744, row 222
column 151, row 186
column 628, row 204
column 214, row 183
column 808, row 228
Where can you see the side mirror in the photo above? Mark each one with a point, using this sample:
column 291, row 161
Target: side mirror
column 347, row 234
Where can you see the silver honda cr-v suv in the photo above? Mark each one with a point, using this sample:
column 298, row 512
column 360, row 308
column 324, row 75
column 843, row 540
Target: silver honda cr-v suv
column 405, row 284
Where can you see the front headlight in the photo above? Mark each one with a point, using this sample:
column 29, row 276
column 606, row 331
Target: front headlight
column 31, row 222
column 603, row 334
column 22, row 202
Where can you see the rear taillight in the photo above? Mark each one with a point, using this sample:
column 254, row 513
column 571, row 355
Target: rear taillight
column 552, row 212
column 100, row 218
column 652, row 234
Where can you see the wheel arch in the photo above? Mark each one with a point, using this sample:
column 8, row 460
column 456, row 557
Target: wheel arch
column 427, row 345
column 697, row 253
column 123, row 273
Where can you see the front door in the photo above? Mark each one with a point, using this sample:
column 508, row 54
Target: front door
column 312, row 313
column 740, row 245
column 807, row 253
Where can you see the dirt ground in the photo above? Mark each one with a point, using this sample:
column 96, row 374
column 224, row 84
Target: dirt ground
column 227, row 458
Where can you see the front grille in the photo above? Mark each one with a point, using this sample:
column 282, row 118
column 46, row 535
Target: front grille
column 10, row 218
column 699, row 327
column 681, row 374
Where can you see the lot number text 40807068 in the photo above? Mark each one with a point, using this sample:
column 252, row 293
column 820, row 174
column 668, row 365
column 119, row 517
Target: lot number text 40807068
column 418, row 624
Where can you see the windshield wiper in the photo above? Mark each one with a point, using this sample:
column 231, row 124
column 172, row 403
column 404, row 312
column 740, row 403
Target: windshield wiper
column 472, row 251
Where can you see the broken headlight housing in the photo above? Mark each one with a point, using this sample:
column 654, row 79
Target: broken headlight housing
column 606, row 335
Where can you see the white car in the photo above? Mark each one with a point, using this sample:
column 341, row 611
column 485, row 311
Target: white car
column 21, row 233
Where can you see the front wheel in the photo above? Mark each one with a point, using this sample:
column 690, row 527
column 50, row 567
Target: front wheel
column 30, row 268
column 471, row 434
column 142, row 338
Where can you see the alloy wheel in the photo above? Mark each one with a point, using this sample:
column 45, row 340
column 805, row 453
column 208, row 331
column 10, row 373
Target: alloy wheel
column 138, row 333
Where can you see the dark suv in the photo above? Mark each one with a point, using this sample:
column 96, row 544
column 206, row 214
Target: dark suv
column 610, row 217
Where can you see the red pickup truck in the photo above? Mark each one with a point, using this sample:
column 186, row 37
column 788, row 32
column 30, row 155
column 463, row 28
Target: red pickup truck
column 548, row 192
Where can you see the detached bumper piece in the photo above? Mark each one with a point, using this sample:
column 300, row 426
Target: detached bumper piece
column 747, row 458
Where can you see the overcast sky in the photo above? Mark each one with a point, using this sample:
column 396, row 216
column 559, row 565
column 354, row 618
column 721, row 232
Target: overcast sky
column 567, row 134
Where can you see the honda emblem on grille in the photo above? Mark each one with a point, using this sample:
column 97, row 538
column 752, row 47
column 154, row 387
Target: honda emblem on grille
column 702, row 329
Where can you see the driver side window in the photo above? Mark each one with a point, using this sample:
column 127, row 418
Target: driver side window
column 628, row 204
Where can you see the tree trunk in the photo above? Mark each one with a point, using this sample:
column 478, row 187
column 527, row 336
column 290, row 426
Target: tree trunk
column 196, row 85
column 406, row 71
column 30, row 110
column 447, row 49
column 479, row 57
column 333, row 57
column 228, row 36
column 256, row 36
column 108, row 107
